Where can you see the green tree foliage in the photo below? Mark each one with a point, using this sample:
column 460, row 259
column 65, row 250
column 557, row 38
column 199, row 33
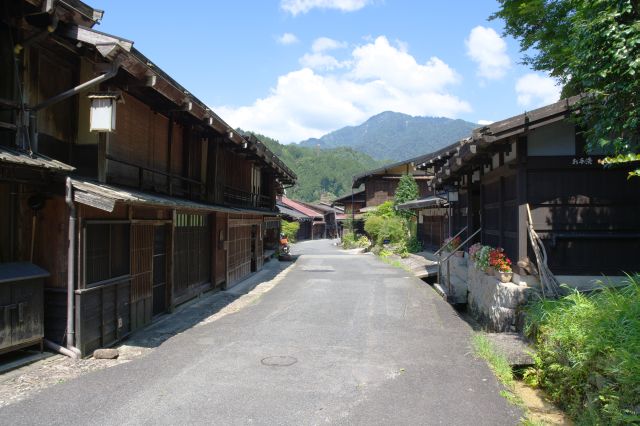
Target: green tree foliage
column 592, row 47
column 320, row 172
column 407, row 190
column 385, row 209
column 289, row 229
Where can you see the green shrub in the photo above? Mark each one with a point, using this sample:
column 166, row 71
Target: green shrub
column 290, row 229
column 414, row 245
column 372, row 226
column 401, row 249
column 392, row 230
column 363, row 242
column 588, row 353
column 384, row 253
column 348, row 240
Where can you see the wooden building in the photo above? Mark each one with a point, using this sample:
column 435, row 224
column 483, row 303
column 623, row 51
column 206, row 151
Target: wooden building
column 312, row 223
column 380, row 184
column 432, row 220
column 585, row 214
column 125, row 187
column 351, row 203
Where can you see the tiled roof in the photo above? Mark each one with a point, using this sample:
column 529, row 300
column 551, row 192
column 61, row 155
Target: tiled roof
column 300, row 207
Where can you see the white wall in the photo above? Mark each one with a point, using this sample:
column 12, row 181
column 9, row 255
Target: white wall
column 557, row 138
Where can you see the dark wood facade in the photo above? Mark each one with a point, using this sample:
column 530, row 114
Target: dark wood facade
column 583, row 212
column 173, row 204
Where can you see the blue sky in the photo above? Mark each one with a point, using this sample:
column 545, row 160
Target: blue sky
column 294, row 69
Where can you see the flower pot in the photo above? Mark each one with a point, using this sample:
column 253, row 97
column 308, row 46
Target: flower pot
column 504, row 277
column 459, row 253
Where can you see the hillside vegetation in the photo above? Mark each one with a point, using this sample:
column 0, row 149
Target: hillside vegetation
column 396, row 136
column 320, row 172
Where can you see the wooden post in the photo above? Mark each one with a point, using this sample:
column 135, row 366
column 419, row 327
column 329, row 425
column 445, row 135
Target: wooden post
column 102, row 157
column 501, row 211
column 169, row 149
column 521, row 159
column 170, row 260
column 482, row 218
column 470, row 228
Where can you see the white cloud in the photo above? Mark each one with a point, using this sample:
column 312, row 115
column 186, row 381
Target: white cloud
column 321, row 62
column 323, row 44
column 287, row 38
column 484, row 122
column 536, row 90
column 487, row 49
column 377, row 77
column 296, row 7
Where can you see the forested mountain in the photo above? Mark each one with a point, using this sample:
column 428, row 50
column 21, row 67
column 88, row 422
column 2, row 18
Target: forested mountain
column 396, row 136
column 320, row 172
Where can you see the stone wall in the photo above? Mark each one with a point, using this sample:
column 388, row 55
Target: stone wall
column 494, row 304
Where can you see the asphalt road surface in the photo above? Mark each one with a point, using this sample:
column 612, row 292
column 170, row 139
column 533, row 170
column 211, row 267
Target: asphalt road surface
column 343, row 339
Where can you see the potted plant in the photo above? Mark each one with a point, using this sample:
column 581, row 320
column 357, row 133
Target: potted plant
column 482, row 259
column 501, row 264
column 473, row 251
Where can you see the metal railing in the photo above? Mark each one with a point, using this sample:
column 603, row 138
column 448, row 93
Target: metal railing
column 447, row 243
column 441, row 261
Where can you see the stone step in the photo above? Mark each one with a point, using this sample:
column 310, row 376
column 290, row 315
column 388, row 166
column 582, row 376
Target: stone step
column 513, row 346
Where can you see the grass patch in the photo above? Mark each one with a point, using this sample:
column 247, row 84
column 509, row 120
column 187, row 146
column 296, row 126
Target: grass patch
column 501, row 368
column 588, row 353
column 394, row 262
column 497, row 362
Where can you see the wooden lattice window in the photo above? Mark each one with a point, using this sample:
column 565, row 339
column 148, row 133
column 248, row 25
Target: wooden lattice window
column 106, row 251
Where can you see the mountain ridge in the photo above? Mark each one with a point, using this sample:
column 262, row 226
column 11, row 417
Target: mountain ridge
column 395, row 136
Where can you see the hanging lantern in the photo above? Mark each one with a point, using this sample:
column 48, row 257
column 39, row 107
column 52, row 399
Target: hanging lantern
column 103, row 111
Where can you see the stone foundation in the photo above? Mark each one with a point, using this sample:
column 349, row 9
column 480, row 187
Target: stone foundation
column 494, row 304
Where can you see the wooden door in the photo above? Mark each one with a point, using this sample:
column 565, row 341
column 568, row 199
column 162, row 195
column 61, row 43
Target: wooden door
column 142, row 244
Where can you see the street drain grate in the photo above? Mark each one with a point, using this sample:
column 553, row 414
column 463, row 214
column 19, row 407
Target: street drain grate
column 279, row 361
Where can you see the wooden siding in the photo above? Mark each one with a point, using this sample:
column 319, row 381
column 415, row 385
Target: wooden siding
column 220, row 254
column 103, row 316
column 587, row 219
column 57, row 123
column 500, row 212
column 141, row 139
column 379, row 189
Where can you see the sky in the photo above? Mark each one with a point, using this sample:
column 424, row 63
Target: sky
column 296, row 69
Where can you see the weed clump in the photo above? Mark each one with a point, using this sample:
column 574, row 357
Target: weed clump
column 588, row 353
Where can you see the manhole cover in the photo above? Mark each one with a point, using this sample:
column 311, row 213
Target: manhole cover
column 279, row 361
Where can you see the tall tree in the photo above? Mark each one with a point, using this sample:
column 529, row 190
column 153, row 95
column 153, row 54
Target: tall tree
column 407, row 190
column 593, row 48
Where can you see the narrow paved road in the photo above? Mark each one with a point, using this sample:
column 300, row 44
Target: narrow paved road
column 343, row 339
